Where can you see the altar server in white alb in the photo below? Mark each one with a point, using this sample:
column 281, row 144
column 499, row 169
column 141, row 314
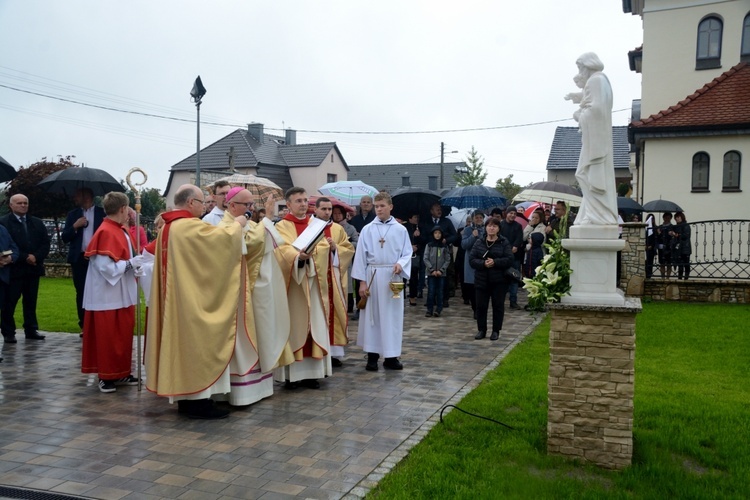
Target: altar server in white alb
column 383, row 255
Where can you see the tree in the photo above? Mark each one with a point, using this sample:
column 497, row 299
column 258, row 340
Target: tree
column 507, row 187
column 475, row 174
column 152, row 202
column 41, row 203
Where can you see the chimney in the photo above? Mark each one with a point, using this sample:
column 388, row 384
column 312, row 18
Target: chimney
column 290, row 137
column 256, row 130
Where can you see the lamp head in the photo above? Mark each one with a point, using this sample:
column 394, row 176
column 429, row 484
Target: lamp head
column 198, row 90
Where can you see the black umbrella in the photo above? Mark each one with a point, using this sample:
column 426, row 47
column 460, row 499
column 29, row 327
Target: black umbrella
column 628, row 205
column 408, row 201
column 661, row 206
column 72, row 179
column 474, row 197
column 7, row 172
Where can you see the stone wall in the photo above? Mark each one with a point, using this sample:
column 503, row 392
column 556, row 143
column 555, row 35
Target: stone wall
column 633, row 259
column 591, row 383
column 58, row 270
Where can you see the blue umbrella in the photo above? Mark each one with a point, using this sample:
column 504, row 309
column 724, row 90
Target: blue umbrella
column 473, row 197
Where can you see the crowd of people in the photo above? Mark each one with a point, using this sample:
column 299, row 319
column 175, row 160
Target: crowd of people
column 278, row 300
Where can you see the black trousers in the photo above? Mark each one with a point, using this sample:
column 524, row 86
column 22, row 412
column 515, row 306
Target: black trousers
column 497, row 294
column 28, row 287
column 79, row 269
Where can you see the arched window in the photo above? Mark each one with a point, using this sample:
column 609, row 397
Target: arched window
column 731, row 178
column 745, row 49
column 708, row 53
column 700, row 172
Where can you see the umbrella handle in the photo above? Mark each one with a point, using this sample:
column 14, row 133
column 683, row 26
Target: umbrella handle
column 137, row 194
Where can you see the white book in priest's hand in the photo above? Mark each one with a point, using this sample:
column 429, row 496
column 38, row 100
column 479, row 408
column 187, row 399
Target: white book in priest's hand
column 310, row 237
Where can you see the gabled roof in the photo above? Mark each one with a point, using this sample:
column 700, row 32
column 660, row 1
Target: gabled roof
column 305, row 155
column 723, row 103
column 271, row 159
column 390, row 176
column 566, row 148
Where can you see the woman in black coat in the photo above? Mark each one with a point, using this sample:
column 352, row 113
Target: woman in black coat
column 681, row 248
column 490, row 257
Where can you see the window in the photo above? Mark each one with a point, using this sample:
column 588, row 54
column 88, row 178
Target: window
column 708, row 54
column 331, row 178
column 405, row 181
column 700, row 172
column 731, row 179
column 745, row 49
column 331, row 157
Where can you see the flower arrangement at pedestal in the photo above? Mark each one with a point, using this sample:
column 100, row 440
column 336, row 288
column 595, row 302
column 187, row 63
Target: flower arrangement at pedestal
column 552, row 279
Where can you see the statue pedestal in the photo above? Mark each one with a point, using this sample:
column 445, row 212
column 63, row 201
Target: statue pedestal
column 593, row 260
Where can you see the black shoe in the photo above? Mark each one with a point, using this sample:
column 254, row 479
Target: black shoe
column 107, row 386
column 129, row 380
column 480, row 335
column 428, row 314
column 10, row 340
column 310, row 383
column 412, row 301
column 355, row 316
column 514, row 305
column 437, row 315
column 35, row 336
column 372, row 362
column 494, row 335
column 392, row 364
column 290, row 385
column 336, row 363
column 419, row 295
column 203, row 409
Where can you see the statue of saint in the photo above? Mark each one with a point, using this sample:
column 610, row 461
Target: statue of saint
column 596, row 169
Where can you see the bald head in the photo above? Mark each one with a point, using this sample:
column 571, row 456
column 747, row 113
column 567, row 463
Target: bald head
column 189, row 197
column 19, row 204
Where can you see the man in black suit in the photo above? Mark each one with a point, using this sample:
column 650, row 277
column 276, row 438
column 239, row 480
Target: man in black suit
column 30, row 235
column 450, row 238
column 80, row 225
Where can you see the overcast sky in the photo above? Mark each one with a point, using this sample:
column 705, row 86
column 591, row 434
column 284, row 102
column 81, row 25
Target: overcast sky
column 314, row 66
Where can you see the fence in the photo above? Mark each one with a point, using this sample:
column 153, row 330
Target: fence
column 721, row 249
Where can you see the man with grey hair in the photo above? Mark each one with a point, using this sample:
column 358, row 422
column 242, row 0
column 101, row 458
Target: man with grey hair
column 109, row 298
column 596, row 171
column 193, row 306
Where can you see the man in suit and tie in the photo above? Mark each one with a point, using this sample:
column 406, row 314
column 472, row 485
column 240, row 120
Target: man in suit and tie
column 30, row 235
column 450, row 238
column 80, row 226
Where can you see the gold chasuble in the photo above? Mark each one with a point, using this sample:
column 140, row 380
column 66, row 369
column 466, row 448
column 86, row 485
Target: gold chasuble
column 193, row 307
column 338, row 319
column 297, row 285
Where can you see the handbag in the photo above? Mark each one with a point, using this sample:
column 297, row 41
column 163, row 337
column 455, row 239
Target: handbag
column 513, row 274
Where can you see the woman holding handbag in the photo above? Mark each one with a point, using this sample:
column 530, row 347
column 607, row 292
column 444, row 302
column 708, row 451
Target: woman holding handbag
column 490, row 257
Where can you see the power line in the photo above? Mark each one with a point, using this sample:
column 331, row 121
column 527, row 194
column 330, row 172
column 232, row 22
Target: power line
column 307, row 131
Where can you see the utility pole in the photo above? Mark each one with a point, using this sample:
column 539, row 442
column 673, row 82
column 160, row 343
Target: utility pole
column 442, row 165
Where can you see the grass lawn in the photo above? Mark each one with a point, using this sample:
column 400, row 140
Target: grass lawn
column 691, row 426
column 56, row 306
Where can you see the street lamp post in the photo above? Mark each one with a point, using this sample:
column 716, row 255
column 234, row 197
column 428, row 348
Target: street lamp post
column 197, row 94
column 442, row 164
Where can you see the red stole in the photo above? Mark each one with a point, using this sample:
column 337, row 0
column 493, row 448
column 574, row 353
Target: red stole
column 299, row 224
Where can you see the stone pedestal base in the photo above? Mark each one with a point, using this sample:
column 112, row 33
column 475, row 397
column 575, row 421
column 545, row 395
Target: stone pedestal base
column 591, row 383
column 593, row 260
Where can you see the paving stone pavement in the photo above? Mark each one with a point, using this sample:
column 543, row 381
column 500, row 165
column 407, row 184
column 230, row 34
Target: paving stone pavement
column 59, row 434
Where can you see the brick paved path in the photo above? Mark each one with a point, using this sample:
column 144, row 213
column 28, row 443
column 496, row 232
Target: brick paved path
column 59, row 434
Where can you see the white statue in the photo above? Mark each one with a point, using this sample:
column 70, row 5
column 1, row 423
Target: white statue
column 596, row 169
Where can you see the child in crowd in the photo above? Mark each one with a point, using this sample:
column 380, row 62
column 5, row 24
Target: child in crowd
column 437, row 258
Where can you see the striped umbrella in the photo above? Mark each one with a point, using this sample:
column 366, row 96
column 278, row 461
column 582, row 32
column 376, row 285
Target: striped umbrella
column 260, row 187
column 473, row 197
